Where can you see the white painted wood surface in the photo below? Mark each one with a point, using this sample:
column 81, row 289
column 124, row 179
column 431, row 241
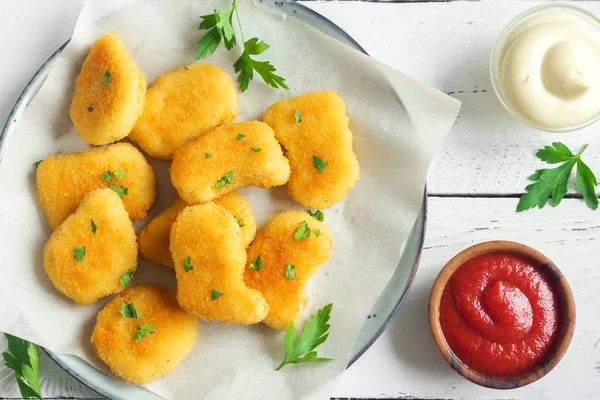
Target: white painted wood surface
column 486, row 154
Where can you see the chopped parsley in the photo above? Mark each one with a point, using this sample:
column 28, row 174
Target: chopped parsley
column 241, row 222
column 319, row 164
column 225, row 180
column 120, row 173
column 240, row 136
column 207, row 155
column 122, row 191
column 107, row 176
column 290, row 272
column 143, row 330
column 298, row 116
column 318, row 215
column 79, row 253
column 257, row 264
column 128, row 311
column 186, row 68
column 37, row 163
column 126, row 277
column 317, row 232
column 302, row 232
column 94, row 226
column 255, row 149
column 215, row 294
column 90, row 108
column 187, row 265
column 106, row 77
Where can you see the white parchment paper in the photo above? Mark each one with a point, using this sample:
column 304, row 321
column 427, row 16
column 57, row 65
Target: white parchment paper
column 398, row 124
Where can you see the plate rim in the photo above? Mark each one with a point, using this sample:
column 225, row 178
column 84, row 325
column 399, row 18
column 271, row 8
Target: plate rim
column 22, row 103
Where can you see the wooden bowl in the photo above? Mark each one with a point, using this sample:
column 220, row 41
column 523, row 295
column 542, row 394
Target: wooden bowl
column 566, row 310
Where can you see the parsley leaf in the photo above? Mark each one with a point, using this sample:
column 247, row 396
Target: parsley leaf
column 224, row 25
column 257, row 264
column 255, row 149
column 23, row 358
column 290, row 272
column 187, row 264
column 225, row 180
column 302, row 232
column 120, row 173
column 94, row 226
column 298, row 116
column 126, row 277
column 551, row 183
column 37, row 163
column 246, row 66
column 90, row 108
column 241, row 222
column 143, row 330
column 314, row 333
column 79, row 253
column 207, row 155
column 128, row 311
column 215, row 294
column 317, row 232
column 186, row 68
column 122, row 191
column 208, row 44
column 107, row 176
column 319, row 164
column 240, row 136
column 318, row 215
column 106, row 77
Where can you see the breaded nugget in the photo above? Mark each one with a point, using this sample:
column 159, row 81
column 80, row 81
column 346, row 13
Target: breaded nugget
column 140, row 358
column 154, row 239
column 64, row 180
column 110, row 92
column 313, row 129
column 226, row 158
column 183, row 104
column 281, row 260
column 209, row 255
column 87, row 255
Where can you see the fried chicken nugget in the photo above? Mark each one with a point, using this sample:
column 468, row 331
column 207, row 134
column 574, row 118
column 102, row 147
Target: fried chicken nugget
column 209, row 256
column 281, row 260
column 154, row 240
column 226, row 158
column 64, row 180
column 110, row 93
column 88, row 253
column 183, row 104
column 143, row 333
column 313, row 128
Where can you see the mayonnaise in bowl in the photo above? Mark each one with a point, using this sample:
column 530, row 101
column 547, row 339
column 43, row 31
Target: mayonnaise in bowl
column 546, row 67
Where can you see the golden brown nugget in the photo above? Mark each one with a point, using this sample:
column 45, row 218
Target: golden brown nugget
column 226, row 158
column 154, row 240
column 65, row 179
column 87, row 255
column 143, row 333
column 209, row 255
column 110, row 93
column 183, row 104
column 281, row 260
column 313, row 128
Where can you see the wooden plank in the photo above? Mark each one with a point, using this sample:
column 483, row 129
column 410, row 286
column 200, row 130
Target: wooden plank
column 448, row 46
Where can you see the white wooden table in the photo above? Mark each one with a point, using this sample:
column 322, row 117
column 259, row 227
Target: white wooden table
column 474, row 184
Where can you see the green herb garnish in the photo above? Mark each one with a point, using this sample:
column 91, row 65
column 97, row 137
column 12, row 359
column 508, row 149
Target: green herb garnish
column 302, row 232
column 314, row 333
column 122, row 191
column 143, row 330
column 37, row 163
column 187, row 264
column 290, row 272
column 23, row 358
column 220, row 30
column 94, row 226
column 298, row 116
column 186, row 68
column 207, row 155
column 107, row 176
column 240, row 136
column 79, row 253
column 90, row 108
column 255, row 149
column 257, row 264
column 319, row 164
column 128, row 311
column 215, row 294
column 106, row 77
column 318, row 215
column 120, row 173
column 317, row 232
column 241, row 222
column 552, row 183
column 126, row 277
column 225, row 180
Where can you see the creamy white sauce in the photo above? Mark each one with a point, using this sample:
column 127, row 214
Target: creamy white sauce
column 549, row 70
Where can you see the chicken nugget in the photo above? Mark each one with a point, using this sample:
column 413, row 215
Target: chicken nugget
column 282, row 258
column 143, row 333
column 183, row 104
column 65, row 179
column 110, row 92
column 87, row 255
column 209, row 256
column 154, row 240
column 226, row 158
column 313, row 129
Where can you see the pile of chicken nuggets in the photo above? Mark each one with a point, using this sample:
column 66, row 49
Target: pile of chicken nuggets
column 226, row 271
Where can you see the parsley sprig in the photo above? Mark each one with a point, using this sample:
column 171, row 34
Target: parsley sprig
column 314, row 333
column 220, row 30
column 551, row 183
column 23, row 358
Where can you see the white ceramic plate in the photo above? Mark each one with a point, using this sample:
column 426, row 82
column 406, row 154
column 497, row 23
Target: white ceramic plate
column 382, row 312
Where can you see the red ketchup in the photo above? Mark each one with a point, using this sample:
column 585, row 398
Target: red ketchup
column 499, row 314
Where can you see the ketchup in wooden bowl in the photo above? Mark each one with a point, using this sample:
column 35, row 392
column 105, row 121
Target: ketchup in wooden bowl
column 502, row 314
